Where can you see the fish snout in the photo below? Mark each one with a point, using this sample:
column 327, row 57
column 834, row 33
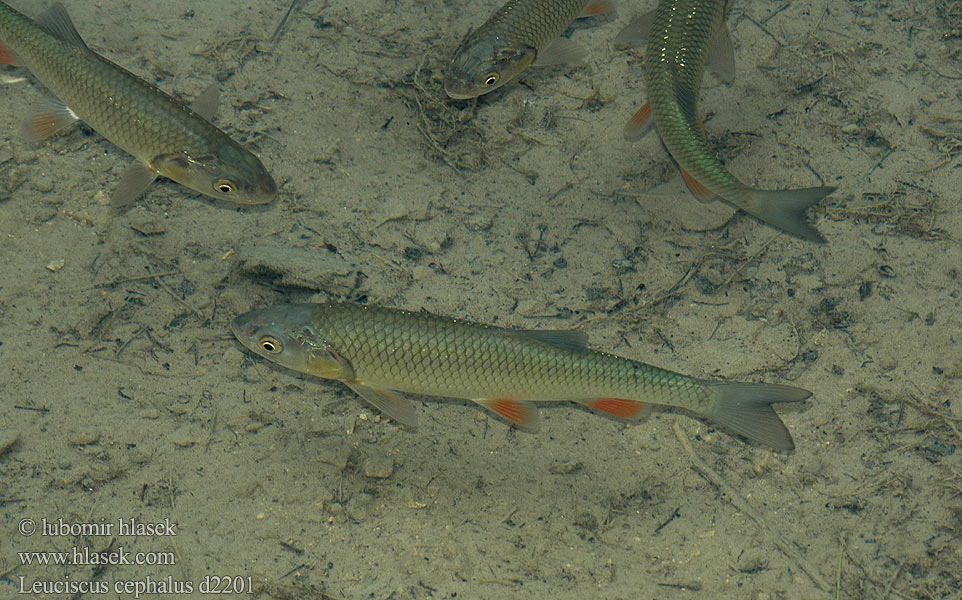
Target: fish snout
column 243, row 328
column 260, row 190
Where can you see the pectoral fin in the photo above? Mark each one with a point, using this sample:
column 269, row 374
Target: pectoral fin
column 561, row 51
column 636, row 32
column 721, row 57
column 133, row 184
column 389, row 402
column 518, row 412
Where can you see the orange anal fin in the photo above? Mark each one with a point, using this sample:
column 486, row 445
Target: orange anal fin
column 639, row 124
column 700, row 192
column 47, row 117
column 517, row 412
column 7, row 56
column 598, row 7
column 44, row 125
column 619, row 407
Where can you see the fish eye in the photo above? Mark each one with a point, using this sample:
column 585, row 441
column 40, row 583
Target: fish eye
column 491, row 79
column 271, row 345
column 225, row 187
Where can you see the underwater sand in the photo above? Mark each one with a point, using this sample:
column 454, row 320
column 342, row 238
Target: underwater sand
column 129, row 398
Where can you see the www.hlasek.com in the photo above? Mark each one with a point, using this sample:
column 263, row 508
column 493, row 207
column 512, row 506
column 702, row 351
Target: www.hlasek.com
column 114, row 556
column 82, row 555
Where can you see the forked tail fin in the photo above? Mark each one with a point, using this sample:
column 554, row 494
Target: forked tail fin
column 746, row 409
column 785, row 209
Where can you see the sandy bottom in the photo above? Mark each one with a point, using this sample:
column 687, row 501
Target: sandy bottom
column 124, row 395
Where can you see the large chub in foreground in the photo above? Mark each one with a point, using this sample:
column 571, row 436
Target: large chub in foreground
column 381, row 353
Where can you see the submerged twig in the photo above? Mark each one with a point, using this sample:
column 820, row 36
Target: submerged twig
column 280, row 26
column 735, row 498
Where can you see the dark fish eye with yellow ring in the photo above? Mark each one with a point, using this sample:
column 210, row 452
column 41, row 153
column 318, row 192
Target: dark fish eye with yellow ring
column 271, row 345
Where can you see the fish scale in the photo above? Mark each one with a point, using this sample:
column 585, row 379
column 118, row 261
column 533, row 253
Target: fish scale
column 531, row 22
column 374, row 349
column 675, row 60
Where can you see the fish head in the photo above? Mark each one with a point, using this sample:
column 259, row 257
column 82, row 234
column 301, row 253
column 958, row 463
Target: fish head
column 483, row 65
column 229, row 172
column 285, row 334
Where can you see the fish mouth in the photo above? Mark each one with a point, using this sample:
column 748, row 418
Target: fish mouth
column 240, row 326
column 456, row 95
column 263, row 191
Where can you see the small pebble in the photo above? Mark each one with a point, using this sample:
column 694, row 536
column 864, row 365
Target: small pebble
column 336, row 451
column 56, row 264
column 479, row 223
column 84, row 436
column 421, row 272
column 148, row 227
column 184, row 437
column 8, row 437
column 378, row 466
column 565, row 467
column 43, row 184
column 529, row 307
column 359, row 507
column 850, row 129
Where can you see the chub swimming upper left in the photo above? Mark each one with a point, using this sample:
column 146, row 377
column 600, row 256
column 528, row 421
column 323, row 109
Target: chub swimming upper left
column 167, row 138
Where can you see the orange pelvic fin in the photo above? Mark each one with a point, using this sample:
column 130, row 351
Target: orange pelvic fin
column 639, row 124
column 619, row 407
column 7, row 56
column 519, row 412
column 598, row 7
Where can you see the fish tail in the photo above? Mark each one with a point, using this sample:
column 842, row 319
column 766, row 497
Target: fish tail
column 746, row 409
column 785, row 209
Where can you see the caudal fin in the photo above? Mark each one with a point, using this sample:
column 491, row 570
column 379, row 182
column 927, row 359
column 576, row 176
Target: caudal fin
column 746, row 409
column 785, row 209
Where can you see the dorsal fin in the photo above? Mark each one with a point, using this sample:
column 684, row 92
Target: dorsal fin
column 570, row 340
column 206, row 104
column 57, row 23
